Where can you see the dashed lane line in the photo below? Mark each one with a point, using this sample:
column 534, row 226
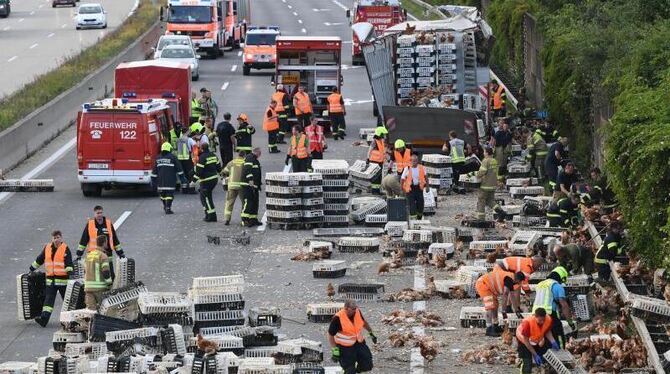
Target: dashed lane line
column 225, row 86
column 124, row 216
column 233, row 68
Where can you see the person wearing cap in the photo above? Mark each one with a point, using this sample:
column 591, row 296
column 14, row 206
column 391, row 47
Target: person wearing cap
column 455, row 147
column 534, row 338
column 336, row 113
column 303, row 106
column 207, row 172
column 244, row 133
column 492, row 285
column 554, row 159
column 488, row 173
column 610, row 248
column 414, row 183
column 402, row 156
column 377, row 155
column 550, row 295
column 167, row 170
column 282, row 109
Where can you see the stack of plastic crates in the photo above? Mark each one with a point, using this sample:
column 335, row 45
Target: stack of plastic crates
column 473, row 316
column 50, row 364
column 217, row 301
column 395, row 228
column 522, row 241
column 521, row 192
column 91, row 350
column 361, row 174
column 30, row 294
column 322, row 312
column 265, row 316
column 469, row 275
column 335, row 174
column 367, row 207
column 312, row 198
column 74, row 296
column 417, row 239
column 284, row 201
column 361, row 291
column 172, row 339
column 124, row 272
column 162, row 308
column 329, row 269
column 355, row 244
column 518, row 169
column 439, row 171
column 442, row 249
column 119, row 341
column 122, row 302
column 218, row 318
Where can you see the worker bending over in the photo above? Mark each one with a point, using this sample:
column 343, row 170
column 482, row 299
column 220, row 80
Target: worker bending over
column 574, row 258
column 97, row 274
column 526, row 265
column 610, row 248
column 58, row 266
column 492, row 285
column 413, row 182
column 345, row 335
column 550, row 295
column 534, row 338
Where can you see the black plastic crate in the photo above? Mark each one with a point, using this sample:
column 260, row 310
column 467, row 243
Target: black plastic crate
column 204, row 365
column 283, row 208
column 161, row 319
column 396, row 209
column 286, row 358
column 478, row 223
column 226, row 322
column 337, row 201
column 360, row 288
column 77, row 297
column 100, row 325
column 262, row 338
column 53, row 365
column 31, row 287
column 264, row 317
column 213, row 307
column 335, row 188
column 329, row 274
column 311, row 355
column 319, row 318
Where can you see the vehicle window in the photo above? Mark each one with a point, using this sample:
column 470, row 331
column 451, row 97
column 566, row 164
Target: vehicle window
column 172, row 41
column 90, row 10
column 177, row 53
column 261, row 39
column 190, row 14
column 164, row 128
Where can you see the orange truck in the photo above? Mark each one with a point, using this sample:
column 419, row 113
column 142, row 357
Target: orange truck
column 260, row 50
column 382, row 14
column 238, row 15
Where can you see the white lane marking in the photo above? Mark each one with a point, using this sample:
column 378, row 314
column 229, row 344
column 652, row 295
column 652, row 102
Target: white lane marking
column 7, row 28
column 295, row 14
column 33, row 12
column 50, row 35
column 333, row 24
column 283, row 1
column 41, row 6
column 44, row 164
column 416, row 364
column 33, row 46
column 64, row 26
column 21, row 20
column 12, row 58
column 339, row 4
column 300, row 21
column 289, row 6
column 303, row 30
column 321, row 10
column 264, row 221
column 134, row 8
column 239, row 53
column 122, row 219
column 347, row 42
column 233, row 68
column 225, row 85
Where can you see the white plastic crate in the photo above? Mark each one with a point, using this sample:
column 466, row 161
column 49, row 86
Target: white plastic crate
column 255, row 363
column 579, row 280
column 511, row 209
column 469, row 275
column 374, row 208
column 123, row 335
column 395, row 228
column 333, row 370
column 65, row 337
column 121, row 298
column 428, row 199
column 526, row 191
column 329, row 265
column 288, row 214
column 441, row 172
column 302, row 343
column 77, row 315
column 124, row 270
column 482, row 262
column 650, row 307
column 522, row 240
column 442, row 234
column 312, row 201
column 332, row 195
column 562, row 361
column 528, row 221
column 292, row 179
column 487, row 245
column 419, row 224
column 303, row 176
column 336, row 183
column 221, row 298
column 222, row 280
column 283, row 202
column 281, row 190
column 340, row 219
column 376, row 218
column 262, row 352
column 225, row 361
column 472, row 312
column 67, row 299
column 417, row 236
column 312, row 213
column 359, row 201
column 520, row 182
column 444, row 249
column 238, row 331
column 447, row 285
column 354, row 241
column 363, row 133
column 317, row 245
column 324, row 309
column 223, row 341
column 219, row 315
column 92, row 350
column 312, row 189
column 164, row 302
column 341, row 207
column 334, row 166
column 366, row 173
column 518, row 167
column 512, row 320
column 78, row 269
column 469, row 178
column 580, row 307
column 180, row 343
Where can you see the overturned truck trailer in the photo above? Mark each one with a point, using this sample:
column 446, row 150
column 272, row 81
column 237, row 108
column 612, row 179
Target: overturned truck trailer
column 430, row 77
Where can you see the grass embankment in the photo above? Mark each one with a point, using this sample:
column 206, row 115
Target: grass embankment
column 47, row 86
column 419, row 11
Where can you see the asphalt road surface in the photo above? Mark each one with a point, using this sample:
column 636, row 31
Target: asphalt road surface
column 170, row 250
column 37, row 38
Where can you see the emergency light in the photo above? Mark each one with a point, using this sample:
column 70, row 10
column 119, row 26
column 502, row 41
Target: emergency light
column 124, row 101
column 129, row 94
column 87, row 106
column 171, row 95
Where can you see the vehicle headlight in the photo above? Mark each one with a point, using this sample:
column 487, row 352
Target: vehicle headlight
column 2, row 6
column 250, row 56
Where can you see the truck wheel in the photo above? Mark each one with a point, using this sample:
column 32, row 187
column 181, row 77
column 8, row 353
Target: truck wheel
column 220, row 50
column 213, row 53
column 91, row 189
column 246, row 70
column 236, row 44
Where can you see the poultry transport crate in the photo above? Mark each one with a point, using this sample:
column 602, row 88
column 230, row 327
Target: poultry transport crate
column 353, row 244
column 225, row 343
column 233, row 283
column 376, row 219
column 62, row 338
column 562, row 362
column 482, row 262
column 218, row 318
column 126, row 364
column 577, row 284
column 339, row 220
column 118, row 341
column 77, row 320
column 523, row 240
column 280, row 192
column 30, row 185
column 469, row 275
column 274, row 203
column 164, row 302
column 363, row 170
column 256, row 365
column 331, row 167
column 526, row 221
column 446, row 286
column 361, row 291
column 329, row 269
column 122, row 302
column 417, row 236
column 257, row 352
column 311, row 191
column 286, row 354
column 443, row 249
column 377, row 207
column 92, row 350
column 30, row 289
column 518, row 167
column 650, row 309
column 50, row 365
column 581, row 307
column 364, row 132
column 172, row 339
column 473, row 316
column 512, row 320
column 261, row 337
column 311, row 351
column 77, row 269
column 521, row 192
column 478, row 223
column 210, row 302
column 307, row 368
column 323, row 312
column 419, row 224
column 520, row 182
column 74, row 295
column 227, row 362
column 124, row 272
column 395, row 228
column 204, row 365
column 336, row 197
column 283, row 179
column 265, row 316
column 335, row 184
column 488, row 245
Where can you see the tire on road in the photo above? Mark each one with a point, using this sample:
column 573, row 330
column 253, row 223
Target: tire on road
column 246, row 70
column 91, row 189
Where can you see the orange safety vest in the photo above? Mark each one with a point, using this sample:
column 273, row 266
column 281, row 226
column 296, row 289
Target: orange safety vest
column 518, row 263
column 270, row 123
column 377, row 155
column 335, row 104
column 303, row 104
column 537, row 332
column 298, row 148
column 93, row 234
column 498, row 101
column 350, row 332
column 494, row 280
column 402, row 161
column 279, row 98
column 55, row 264
column 409, row 180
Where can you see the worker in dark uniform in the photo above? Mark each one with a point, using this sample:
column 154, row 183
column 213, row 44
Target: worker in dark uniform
column 563, row 213
column 564, row 181
column 243, row 134
column 554, row 159
column 610, row 248
column 575, row 258
column 226, row 134
column 345, row 335
column 58, row 266
column 283, row 108
column 251, row 186
column 601, row 193
column 167, row 170
column 207, row 173
column 96, row 226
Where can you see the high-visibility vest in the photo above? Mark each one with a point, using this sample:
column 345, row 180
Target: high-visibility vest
column 498, row 100
column 173, row 140
column 303, row 104
column 270, row 123
column 279, row 98
column 457, row 154
column 518, row 264
column 298, row 148
column 315, row 136
column 182, row 148
column 351, row 333
column 544, row 298
column 409, row 179
column 402, row 160
column 335, row 103
column 96, row 262
column 54, row 264
column 537, row 332
column 196, row 109
column 377, row 155
column 93, row 234
column 235, row 173
column 495, row 280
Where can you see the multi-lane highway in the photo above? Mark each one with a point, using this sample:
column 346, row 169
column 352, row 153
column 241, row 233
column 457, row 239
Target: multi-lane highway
column 36, row 38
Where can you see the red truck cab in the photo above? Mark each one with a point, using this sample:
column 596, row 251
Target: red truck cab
column 382, row 14
column 118, row 141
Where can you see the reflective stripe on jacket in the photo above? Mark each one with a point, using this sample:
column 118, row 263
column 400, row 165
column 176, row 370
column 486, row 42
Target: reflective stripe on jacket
column 298, row 148
column 351, row 333
column 93, row 234
column 402, row 160
column 54, row 264
column 335, row 103
column 409, row 179
column 544, row 298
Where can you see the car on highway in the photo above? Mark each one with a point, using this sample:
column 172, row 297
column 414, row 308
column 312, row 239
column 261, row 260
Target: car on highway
column 91, row 15
column 5, row 8
column 166, row 40
column 182, row 53
column 55, row 3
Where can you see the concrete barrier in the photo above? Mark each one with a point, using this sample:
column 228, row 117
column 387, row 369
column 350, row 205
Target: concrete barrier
column 27, row 136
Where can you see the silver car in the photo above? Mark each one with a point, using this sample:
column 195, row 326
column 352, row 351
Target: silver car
column 166, row 40
column 184, row 54
column 91, row 16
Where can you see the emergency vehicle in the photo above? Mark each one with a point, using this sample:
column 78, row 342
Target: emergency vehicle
column 118, row 142
column 260, row 51
column 382, row 14
column 202, row 20
column 238, row 15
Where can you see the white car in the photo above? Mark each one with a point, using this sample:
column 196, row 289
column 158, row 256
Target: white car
column 166, row 40
column 91, row 15
column 184, row 54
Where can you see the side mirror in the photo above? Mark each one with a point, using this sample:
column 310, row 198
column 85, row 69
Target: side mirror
column 348, row 13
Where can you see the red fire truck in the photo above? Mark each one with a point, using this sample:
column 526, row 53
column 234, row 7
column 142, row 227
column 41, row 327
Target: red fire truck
column 380, row 13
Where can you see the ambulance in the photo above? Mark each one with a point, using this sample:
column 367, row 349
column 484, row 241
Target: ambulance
column 118, row 142
column 260, row 50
